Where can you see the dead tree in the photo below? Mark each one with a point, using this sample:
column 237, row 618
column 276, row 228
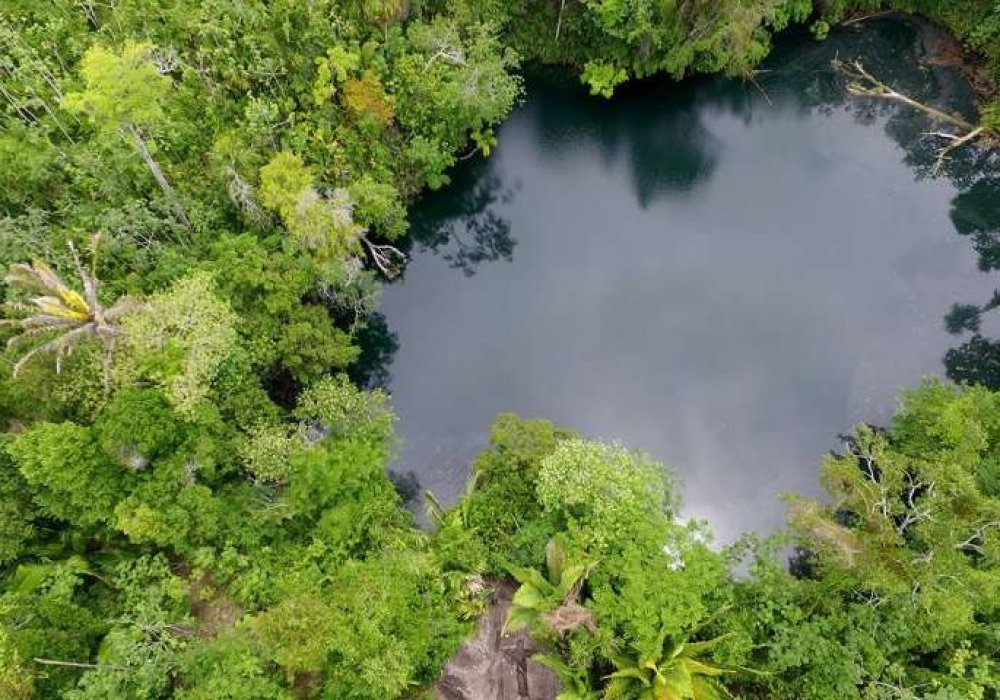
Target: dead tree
column 861, row 83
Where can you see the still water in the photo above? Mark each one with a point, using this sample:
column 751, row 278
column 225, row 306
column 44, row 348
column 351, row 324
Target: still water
column 723, row 274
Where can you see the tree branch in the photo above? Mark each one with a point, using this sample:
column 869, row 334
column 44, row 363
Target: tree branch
column 863, row 18
column 387, row 258
column 864, row 84
column 956, row 142
column 161, row 179
column 73, row 664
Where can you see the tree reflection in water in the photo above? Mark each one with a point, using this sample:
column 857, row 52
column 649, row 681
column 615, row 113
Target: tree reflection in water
column 464, row 222
column 378, row 345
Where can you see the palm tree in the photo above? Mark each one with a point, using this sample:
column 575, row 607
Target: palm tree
column 59, row 310
column 673, row 671
column 548, row 604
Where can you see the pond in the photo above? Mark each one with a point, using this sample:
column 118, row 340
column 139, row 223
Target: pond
column 724, row 274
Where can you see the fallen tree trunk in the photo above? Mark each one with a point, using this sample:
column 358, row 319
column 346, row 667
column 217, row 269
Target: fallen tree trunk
column 862, row 83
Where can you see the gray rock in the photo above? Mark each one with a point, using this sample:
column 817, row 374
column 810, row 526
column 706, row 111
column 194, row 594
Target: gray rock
column 495, row 666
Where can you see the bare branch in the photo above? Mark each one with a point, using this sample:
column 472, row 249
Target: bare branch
column 562, row 8
column 387, row 258
column 455, row 57
column 175, row 203
column 864, row 84
column 973, row 542
column 73, row 664
column 863, row 18
column 957, row 143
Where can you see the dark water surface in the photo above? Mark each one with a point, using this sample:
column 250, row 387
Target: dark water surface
column 722, row 278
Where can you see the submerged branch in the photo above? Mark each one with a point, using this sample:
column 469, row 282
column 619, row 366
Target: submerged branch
column 864, row 84
column 956, row 142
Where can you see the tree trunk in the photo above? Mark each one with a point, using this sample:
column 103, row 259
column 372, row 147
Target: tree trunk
column 864, row 84
column 562, row 8
column 161, row 179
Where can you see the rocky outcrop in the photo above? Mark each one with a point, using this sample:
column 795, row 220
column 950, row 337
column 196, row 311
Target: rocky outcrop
column 496, row 666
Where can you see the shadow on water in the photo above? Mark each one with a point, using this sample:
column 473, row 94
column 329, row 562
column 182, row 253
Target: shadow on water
column 463, row 222
column 668, row 150
column 975, row 214
column 378, row 346
column 975, row 209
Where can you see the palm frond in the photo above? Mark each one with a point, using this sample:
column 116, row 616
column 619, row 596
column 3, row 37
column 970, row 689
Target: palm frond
column 555, row 664
column 29, row 278
column 28, row 334
column 633, row 673
column 517, row 619
column 59, row 309
column 61, row 346
column 90, row 283
column 531, row 577
column 68, row 306
column 555, row 560
column 714, row 617
column 43, row 349
column 433, row 508
column 702, row 669
column 15, row 307
column 710, row 689
column 617, row 689
column 122, row 307
column 696, row 648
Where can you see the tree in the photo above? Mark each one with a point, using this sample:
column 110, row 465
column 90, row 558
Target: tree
column 915, row 517
column 904, row 556
column 70, row 476
column 16, row 682
column 60, row 310
column 178, row 340
column 606, row 496
column 124, row 95
column 321, row 223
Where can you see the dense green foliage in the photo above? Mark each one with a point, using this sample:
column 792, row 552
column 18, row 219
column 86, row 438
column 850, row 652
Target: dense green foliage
column 611, row 41
column 197, row 199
